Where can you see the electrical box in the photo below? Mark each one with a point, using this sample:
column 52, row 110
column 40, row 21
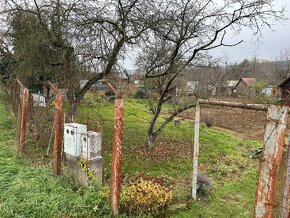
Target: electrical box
column 91, row 145
column 72, row 138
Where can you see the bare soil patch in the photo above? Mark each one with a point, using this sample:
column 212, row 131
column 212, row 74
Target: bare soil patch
column 247, row 123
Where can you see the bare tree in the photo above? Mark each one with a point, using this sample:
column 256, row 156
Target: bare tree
column 106, row 29
column 184, row 31
column 91, row 34
column 282, row 64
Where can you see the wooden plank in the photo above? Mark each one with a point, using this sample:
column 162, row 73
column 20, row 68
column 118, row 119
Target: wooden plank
column 261, row 107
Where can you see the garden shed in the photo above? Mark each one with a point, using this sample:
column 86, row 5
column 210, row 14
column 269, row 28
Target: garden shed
column 285, row 91
column 243, row 87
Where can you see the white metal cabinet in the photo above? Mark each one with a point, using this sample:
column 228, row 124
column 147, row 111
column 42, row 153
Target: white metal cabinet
column 72, row 138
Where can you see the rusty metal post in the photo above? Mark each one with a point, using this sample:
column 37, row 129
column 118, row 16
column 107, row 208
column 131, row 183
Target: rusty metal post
column 58, row 120
column 117, row 155
column 285, row 208
column 274, row 140
column 24, row 111
column 195, row 150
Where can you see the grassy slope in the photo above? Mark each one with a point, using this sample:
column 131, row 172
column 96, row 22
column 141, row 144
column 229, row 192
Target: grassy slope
column 224, row 157
column 29, row 191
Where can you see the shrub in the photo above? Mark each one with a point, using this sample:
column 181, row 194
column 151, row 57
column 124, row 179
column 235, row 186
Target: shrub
column 111, row 99
column 109, row 93
column 208, row 120
column 145, row 196
column 203, row 186
column 140, row 94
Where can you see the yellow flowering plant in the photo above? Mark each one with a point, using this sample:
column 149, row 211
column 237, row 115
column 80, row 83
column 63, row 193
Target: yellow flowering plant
column 146, row 196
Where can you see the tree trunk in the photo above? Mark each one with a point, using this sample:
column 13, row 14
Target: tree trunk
column 72, row 110
column 151, row 135
column 150, row 141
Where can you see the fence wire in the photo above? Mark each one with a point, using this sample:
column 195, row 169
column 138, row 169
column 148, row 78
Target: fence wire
column 40, row 134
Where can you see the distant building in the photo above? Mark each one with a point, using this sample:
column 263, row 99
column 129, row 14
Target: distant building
column 38, row 100
column 243, row 87
column 232, row 83
column 267, row 91
column 191, row 87
column 285, row 92
column 271, row 91
column 83, row 83
column 99, row 85
column 226, row 87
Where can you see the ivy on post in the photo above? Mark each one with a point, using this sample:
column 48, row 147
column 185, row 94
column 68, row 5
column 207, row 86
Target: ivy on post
column 117, row 151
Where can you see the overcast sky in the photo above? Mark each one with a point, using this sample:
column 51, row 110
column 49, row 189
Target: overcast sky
column 268, row 47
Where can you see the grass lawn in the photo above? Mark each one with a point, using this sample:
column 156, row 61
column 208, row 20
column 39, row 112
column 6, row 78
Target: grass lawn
column 30, row 191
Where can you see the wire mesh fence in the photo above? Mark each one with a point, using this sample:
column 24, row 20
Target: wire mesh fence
column 41, row 124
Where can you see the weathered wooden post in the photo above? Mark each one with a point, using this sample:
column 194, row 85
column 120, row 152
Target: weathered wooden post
column 117, row 151
column 285, row 208
column 196, row 149
column 25, row 104
column 274, row 140
column 58, row 130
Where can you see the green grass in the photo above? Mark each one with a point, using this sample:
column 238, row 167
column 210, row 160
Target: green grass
column 32, row 191
column 224, row 157
column 29, row 191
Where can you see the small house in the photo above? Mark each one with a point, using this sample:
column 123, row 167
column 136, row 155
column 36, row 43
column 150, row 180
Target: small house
column 226, row 87
column 231, row 84
column 243, row 87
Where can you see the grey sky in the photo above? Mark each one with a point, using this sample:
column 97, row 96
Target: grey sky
column 268, row 47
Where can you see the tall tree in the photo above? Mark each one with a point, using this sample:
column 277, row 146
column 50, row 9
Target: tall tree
column 106, row 29
column 91, row 34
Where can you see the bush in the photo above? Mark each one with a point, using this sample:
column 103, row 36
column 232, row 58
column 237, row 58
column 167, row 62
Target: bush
column 140, row 94
column 145, row 196
column 203, row 186
column 111, row 99
column 208, row 120
column 109, row 93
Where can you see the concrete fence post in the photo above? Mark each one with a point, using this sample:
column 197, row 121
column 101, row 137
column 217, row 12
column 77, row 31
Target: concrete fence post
column 195, row 150
column 285, row 208
column 24, row 111
column 117, row 155
column 274, row 140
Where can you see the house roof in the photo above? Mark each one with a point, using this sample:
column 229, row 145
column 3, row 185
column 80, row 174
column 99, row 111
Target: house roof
column 285, row 81
column 232, row 83
column 247, row 81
